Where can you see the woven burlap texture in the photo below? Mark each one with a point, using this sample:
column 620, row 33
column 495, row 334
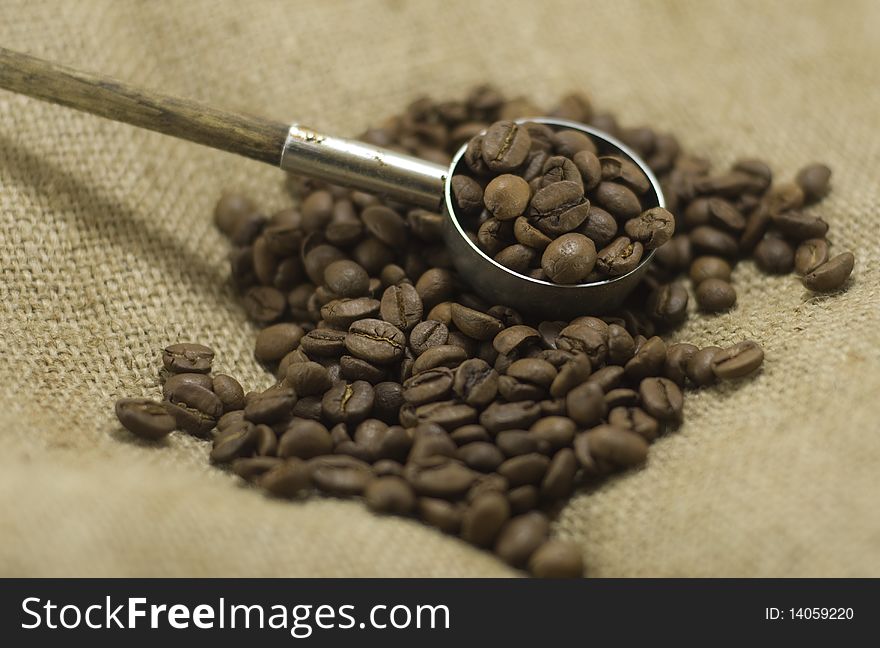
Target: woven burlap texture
column 108, row 253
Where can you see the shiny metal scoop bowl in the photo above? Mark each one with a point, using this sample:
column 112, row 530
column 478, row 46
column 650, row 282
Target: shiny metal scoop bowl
column 425, row 184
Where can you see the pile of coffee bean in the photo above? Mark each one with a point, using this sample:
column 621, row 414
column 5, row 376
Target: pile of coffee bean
column 397, row 384
column 542, row 202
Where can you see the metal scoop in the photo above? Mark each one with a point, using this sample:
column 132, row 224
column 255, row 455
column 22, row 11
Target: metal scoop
column 344, row 162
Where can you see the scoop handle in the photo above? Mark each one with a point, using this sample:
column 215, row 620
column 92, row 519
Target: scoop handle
column 339, row 161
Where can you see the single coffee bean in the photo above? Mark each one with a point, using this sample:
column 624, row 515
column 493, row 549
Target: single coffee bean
column 810, row 255
column 667, row 304
column 475, row 382
column 252, row 468
column 533, row 370
column 708, row 240
column 699, row 367
column 529, row 235
column 677, row 357
column 521, row 536
column 524, row 469
column 340, row 474
column 618, row 169
column 144, row 418
column 559, row 208
column 386, row 225
column 715, row 295
column 448, row 414
column 774, row 255
column 739, row 360
column 308, row 378
column 590, row 168
column 203, row 406
column 426, row 335
column 599, row 226
column 276, row 341
column 661, row 398
column 509, row 416
column 475, row 324
column 756, row 226
column 305, row 439
column 621, row 397
column 570, row 375
column 468, row 195
column 652, row 228
column 558, row 168
column 290, row 478
column 439, row 477
column 675, row 254
column 618, row 200
column 558, row 481
column 553, row 433
column 799, row 226
column 348, row 402
column 230, row 210
column 709, row 267
column 619, row 447
column 234, row 442
column 346, row 278
column 523, row 499
column 505, row 146
column 264, row 304
column 507, row 197
column 390, row 494
column 619, row 257
column 784, row 197
column 434, row 286
column 516, row 257
column 636, row 420
column 387, row 467
column 484, row 518
column 557, row 559
column 648, row 360
column 444, row 355
column 831, row 275
column 440, row 514
column 428, row 386
column 175, row 381
column 757, row 170
column 229, row 391
column 514, row 443
column 814, row 181
column 514, row 338
column 375, row 341
column 187, row 358
column 266, row 443
column 481, row 456
column 585, row 404
column 569, row 259
column 401, row 306
column 271, row 406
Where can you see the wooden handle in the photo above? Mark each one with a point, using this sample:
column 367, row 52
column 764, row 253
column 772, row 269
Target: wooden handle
column 252, row 137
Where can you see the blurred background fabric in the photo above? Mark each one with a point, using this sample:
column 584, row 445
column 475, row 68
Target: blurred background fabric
column 108, row 253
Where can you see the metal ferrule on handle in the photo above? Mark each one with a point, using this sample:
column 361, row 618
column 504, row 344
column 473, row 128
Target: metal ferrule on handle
column 357, row 165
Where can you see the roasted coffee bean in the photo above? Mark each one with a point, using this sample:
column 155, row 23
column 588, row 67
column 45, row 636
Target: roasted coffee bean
column 523, row 499
column 799, row 226
column 468, row 194
column 229, row 419
column 426, row 335
column 569, row 259
column 505, row 146
column 677, row 357
column 715, row 295
column 428, row 386
column 599, row 226
column 494, row 235
column 521, row 536
column 661, row 398
column 145, row 418
column 387, row 467
column 507, row 197
column 709, row 267
column 516, row 257
column 340, row 474
column 514, row 443
column 514, row 337
column 475, row 324
column 234, row 442
column 308, row 378
column 529, row 235
column 444, row 355
column 484, row 518
column 469, row 434
column 619, row 257
column 480, row 455
column 230, row 210
column 266, row 443
column 699, row 367
column 583, row 338
column 475, row 382
column 570, row 375
column 439, row 477
column 390, row 494
column 708, row 240
column 667, row 304
column 434, row 286
column 652, row 228
column 509, row 416
column 810, row 255
column 264, row 304
column 276, row 341
column 533, row 370
column 441, row 514
column 448, row 414
column 616, row 446
column 524, row 469
column 552, row 433
column 636, row 420
column 648, row 361
column 814, row 181
column 271, row 406
column 558, row 481
column 620, row 397
column 585, row 404
column 252, row 468
column 621, row 346
column 348, row 402
column 388, row 399
column 346, row 279
column 557, row 559
column 618, row 169
column 305, row 439
column 372, row 254
column 558, row 168
column 401, row 306
column 375, row 341
column 195, row 408
column 290, row 478
column 175, row 381
column 188, row 358
column 675, row 254
column 386, row 225
column 739, row 360
column 229, row 391
column 774, row 255
column 559, row 208
column 831, row 275
column 756, row 226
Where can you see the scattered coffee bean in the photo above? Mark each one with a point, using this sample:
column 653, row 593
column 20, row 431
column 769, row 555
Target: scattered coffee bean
column 144, row 418
column 831, row 275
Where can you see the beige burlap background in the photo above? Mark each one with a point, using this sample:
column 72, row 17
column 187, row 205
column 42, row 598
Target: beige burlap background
column 107, row 254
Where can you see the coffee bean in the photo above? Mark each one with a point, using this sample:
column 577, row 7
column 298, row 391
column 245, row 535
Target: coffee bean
column 774, row 255
column 401, row 306
column 533, row 370
column 570, row 375
column 523, row 499
column 636, row 420
column 252, row 468
column 559, row 208
column 475, row 382
column 346, row 278
column 448, row 414
column 652, row 228
column 507, row 197
column 708, row 240
column 583, row 338
column 557, row 559
column 620, row 397
column 426, row 335
column 484, row 518
column 799, row 226
column 709, row 267
column 230, row 210
column 271, row 406
column 521, row 536
column 434, row 286
column 661, row 398
column 616, row 446
column 144, row 418
column 558, row 481
column 599, row 226
column 234, row 442
column 558, row 168
column 810, row 255
column 188, row 358
column 375, row 341
column 475, row 324
column 516, row 257
column 831, row 275
column 340, row 475
column 699, row 367
column 619, row 257
column 568, row 142
column 756, row 226
column 737, row 361
column 444, row 355
column 440, row 514
column 308, row 378
column 505, row 146
column 618, row 169
column 390, row 494
column 386, row 225
column 348, row 402
column 175, row 381
column 428, row 386
column 814, row 181
column 291, row 478
column 480, row 455
column 468, row 194
column 569, row 259
column 276, row 341
column 229, row 391
column 677, row 357
column 715, row 295
column 667, row 304
column 524, row 469
column 648, row 360
column 585, row 404
column 509, row 416
column 439, row 477
column 305, row 439
column 514, row 337
column 264, row 304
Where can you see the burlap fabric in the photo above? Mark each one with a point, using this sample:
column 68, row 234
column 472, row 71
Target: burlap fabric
column 108, row 253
